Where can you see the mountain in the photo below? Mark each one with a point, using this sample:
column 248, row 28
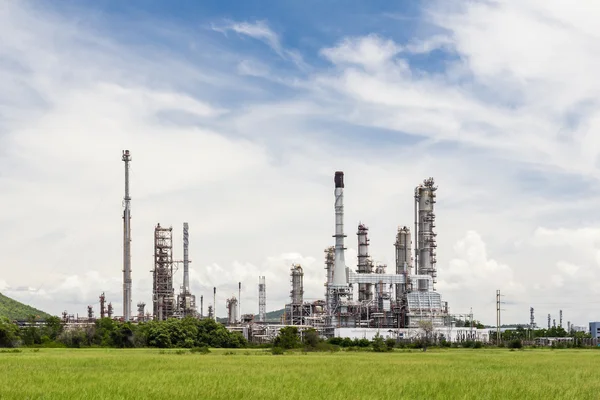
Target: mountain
column 271, row 316
column 12, row 309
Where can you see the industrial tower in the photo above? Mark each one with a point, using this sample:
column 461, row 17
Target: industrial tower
column 262, row 299
column 126, row 241
column 163, row 296
column 185, row 300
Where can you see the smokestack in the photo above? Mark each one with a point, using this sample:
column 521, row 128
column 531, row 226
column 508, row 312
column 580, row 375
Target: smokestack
column 215, row 303
column 186, row 260
column 240, row 300
column 339, row 265
column 126, row 242
column 201, row 306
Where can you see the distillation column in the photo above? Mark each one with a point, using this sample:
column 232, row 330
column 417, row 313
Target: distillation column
column 329, row 260
column 262, row 299
column 232, row 310
column 126, row 241
column 426, row 243
column 365, row 265
column 403, row 258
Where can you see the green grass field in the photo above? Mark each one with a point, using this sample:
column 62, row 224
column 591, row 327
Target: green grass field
column 255, row 374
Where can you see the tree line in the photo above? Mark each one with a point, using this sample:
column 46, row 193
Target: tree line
column 105, row 332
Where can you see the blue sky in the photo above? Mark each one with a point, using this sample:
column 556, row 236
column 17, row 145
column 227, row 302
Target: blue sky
column 238, row 115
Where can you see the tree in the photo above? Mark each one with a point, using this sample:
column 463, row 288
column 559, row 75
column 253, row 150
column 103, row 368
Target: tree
column 427, row 327
column 9, row 333
column 379, row 343
column 311, row 338
column 287, row 338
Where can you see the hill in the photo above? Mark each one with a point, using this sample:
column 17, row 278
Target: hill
column 12, row 309
column 272, row 316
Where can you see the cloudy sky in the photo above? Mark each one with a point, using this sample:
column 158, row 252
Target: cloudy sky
column 237, row 116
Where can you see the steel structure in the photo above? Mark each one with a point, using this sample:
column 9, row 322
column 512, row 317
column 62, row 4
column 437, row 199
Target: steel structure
column 126, row 157
column 294, row 312
column 102, row 308
column 560, row 318
column 365, row 264
column 163, row 295
column 329, row 260
column 404, row 265
column 141, row 309
column 425, row 245
column 262, row 299
column 297, row 279
column 232, row 310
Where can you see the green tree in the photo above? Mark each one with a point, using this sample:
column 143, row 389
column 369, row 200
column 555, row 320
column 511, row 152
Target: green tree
column 379, row 343
column 9, row 333
column 310, row 338
column 287, row 338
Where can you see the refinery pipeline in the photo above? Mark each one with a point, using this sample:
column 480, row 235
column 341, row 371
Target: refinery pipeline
column 397, row 302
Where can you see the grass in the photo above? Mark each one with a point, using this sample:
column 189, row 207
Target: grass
column 256, row 374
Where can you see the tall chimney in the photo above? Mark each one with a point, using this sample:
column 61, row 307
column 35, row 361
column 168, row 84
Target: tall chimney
column 126, row 242
column 339, row 265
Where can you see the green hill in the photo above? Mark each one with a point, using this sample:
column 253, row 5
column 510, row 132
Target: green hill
column 272, row 316
column 12, row 309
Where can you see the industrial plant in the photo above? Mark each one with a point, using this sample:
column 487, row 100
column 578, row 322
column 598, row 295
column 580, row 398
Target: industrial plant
column 358, row 301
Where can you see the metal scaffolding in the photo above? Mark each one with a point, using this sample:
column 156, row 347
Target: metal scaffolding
column 163, row 295
column 262, row 299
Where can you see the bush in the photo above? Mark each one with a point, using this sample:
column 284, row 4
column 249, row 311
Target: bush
column 515, row 344
column 379, row 344
column 390, row 343
column 477, row 345
column 201, row 350
column 277, row 351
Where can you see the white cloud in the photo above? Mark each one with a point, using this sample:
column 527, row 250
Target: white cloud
column 370, row 51
column 260, row 30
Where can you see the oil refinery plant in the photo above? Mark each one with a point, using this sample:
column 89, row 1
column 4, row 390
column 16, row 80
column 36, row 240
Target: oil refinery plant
column 358, row 302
